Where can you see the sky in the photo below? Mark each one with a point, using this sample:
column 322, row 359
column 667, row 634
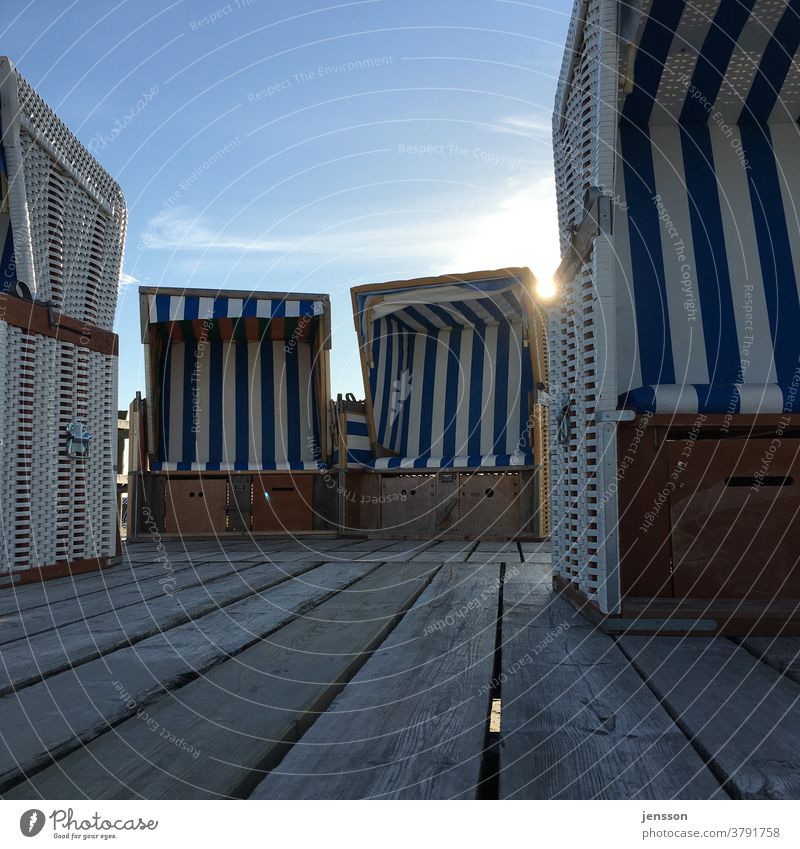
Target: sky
column 305, row 145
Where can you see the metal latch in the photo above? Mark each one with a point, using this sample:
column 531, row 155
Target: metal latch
column 78, row 438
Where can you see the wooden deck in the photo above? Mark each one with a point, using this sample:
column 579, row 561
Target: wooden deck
column 349, row 669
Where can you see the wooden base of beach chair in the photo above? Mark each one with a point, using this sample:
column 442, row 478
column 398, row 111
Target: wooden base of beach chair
column 210, row 505
column 55, row 570
column 447, row 504
column 709, row 509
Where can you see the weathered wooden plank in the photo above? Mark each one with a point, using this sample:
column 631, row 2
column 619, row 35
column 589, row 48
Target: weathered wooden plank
column 28, row 660
column 497, row 552
column 447, row 551
column 742, row 715
column 54, row 717
column 412, row 723
column 27, row 623
column 577, row 721
column 28, row 596
column 243, row 713
column 781, row 653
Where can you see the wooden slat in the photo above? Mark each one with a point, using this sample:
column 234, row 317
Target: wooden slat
column 781, row 653
column 13, row 599
column 75, row 706
column 29, row 660
column 243, row 713
column 412, row 723
column 743, row 715
column 28, row 623
column 577, row 721
column 497, row 552
column 456, row 551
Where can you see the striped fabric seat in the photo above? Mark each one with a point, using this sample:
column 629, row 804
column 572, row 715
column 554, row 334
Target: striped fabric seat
column 450, row 371
column 707, row 195
column 236, row 383
column 359, row 451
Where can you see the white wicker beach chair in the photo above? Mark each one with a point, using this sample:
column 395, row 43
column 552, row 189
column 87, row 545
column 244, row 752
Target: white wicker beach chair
column 674, row 351
column 62, row 229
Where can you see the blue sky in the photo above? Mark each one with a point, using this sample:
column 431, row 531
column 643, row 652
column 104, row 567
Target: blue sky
column 304, row 145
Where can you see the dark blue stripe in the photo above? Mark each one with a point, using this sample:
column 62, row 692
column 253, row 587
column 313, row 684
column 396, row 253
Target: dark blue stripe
column 8, row 262
column 294, row 436
column 711, row 274
column 191, row 307
column 220, row 308
column 513, row 302
column 775, row 64
column 249, row 308
column 491, row 285
column 373, row 373
column 357, row 429
column 162, row 307
column 165, row 400
column 190, row 386
column 647, row 260
column 651, row 54
column 642, row 400
column 451, row 399
column 772, row 235
column 428, row 388
column 476, row 399
column 717, row 398
column 501, row 389
column 215, row 352
column 524, row 433
column 491, row 307
column 242, row 407
column 471, row 316
column 714, row 57
column 267, row 403
column 417, row 316
column 450, row 315
column 316, row 446
column 278, row 309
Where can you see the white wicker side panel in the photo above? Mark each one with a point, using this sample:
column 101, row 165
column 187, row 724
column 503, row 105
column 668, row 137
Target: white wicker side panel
column 581, row 326
column 76, row 246
column 7, row 384
column 46, row 447
column 101, row 465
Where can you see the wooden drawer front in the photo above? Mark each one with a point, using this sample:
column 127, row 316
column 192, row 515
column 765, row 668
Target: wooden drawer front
column 409, row 504
column 195, row 506
column 282, row 503
column 490, row 504
column 734, row 516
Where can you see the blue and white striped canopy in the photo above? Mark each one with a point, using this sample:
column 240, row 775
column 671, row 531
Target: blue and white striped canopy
column 168, row 306
column 236, row 382
column 450, row 372
column 707, row 233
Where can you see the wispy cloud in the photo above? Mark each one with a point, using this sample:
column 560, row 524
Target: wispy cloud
column 532, row 125
column 178, row 229
column 515, row 227
column 126, row 279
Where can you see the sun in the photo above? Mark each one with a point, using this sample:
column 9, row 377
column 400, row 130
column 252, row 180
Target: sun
column 546, row 289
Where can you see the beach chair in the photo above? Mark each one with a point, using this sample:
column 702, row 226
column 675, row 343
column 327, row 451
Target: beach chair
column 62, row 230
column 674, row 349
column 452, row 366
column 237, row 408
